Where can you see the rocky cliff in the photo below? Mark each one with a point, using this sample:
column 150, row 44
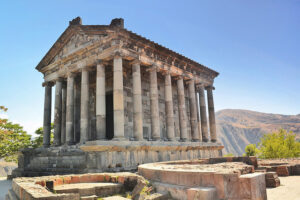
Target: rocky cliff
column 238, row 128
column 6, row 168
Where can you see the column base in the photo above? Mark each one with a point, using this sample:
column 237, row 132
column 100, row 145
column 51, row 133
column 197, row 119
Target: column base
column 183, row 140
column 70, row 143
column 170, row 139
column 213, row 140
column 119, row 139
column 137, row 139
column 155, row 139
column 46, row 145
column 205, row 140
column 195, row 140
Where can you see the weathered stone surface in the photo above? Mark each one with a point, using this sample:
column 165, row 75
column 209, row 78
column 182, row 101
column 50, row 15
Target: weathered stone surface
column 272, row 179
column 202, row 193
column 253, row 186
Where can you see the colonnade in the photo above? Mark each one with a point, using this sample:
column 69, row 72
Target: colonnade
column 64, row 108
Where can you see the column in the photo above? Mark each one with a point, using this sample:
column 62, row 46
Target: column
column 70, row 110
column 137, row 101
column 118, row 98
column 193, row 111
column 100, row 102
column 182, row 110
column 198, row 115
column 57, row 113
column 84, row 107
column 169, row 108
column 203, row 114
column 155, row 129
column 63, row 112
column 211, row 113
column 47, row 114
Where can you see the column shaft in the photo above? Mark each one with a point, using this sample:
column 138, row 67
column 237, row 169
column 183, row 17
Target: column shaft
column 211, row 113
column 118, row 98
column 84, row 107
column 193, row 111
column 198, row 116
column 47, row 115
column 204, row 128
column 182, row 110
column 137, row 102
column 155, row 129
column 63, row 112
column 100, row 102
column 169, row 108
column 70, row 111
column 57, row 113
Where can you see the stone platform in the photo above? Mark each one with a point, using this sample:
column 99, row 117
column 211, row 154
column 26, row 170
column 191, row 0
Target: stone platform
column 109, row 156
column 209, row 179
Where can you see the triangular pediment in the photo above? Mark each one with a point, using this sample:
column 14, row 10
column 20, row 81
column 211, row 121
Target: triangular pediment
column 78, row 41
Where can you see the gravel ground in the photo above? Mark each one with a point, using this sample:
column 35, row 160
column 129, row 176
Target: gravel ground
column 289, row 189
column 5, row 185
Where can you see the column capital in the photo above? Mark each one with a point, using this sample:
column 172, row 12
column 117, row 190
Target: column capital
column 210, row 87
column 192, row 80
column 117, row 54
column 152, row 68
column 59, row 79
column 135, row 62
column 199, row 86
column 71, row 74
column 179, row 77
column 47, row 83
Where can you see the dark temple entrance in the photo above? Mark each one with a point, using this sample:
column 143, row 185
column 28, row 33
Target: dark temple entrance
column 109, row 116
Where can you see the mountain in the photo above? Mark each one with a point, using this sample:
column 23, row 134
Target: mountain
column 238, row 128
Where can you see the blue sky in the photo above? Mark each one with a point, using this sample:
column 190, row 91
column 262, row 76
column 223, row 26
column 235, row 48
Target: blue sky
column 254, row 45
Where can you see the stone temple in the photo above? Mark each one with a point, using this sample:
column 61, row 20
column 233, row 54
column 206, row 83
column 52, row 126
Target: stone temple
column 120, row 100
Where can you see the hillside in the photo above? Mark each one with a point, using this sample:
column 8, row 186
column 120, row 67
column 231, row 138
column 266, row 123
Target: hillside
column 238, row 128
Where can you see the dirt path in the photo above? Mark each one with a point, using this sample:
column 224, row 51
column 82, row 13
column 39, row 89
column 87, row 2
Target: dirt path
column 289, row 189
column 5, row 185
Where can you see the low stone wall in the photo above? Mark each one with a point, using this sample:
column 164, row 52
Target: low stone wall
column 109, row 156
column 283, row 167
column 44, row 188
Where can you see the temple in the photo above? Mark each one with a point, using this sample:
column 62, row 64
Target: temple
column 121, row 100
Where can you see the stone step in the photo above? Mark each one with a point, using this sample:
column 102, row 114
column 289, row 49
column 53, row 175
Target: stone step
column 90, row 189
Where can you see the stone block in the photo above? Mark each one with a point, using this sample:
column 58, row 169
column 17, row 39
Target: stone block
column 252, row 186
column 282, row 170
column 272, row 179
column 202, row 193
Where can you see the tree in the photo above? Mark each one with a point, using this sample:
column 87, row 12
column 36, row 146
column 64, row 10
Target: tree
column 280, row 144
column 12, row 138
column 251, row 150
column 229, row 155
column 38, row 141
